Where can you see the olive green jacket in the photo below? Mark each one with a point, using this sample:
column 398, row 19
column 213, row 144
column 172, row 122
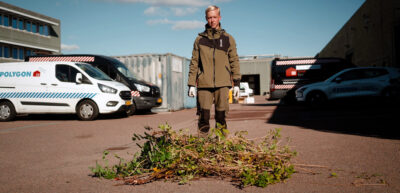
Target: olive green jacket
column 215, row 62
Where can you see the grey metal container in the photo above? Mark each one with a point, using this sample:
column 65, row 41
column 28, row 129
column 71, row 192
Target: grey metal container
column 167, row 71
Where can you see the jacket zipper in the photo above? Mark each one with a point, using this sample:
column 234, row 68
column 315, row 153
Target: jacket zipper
column 214, row 55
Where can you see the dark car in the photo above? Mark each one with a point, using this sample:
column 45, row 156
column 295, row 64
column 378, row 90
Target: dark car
column 289, row 74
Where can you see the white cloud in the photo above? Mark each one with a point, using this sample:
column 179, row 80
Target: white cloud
column 159, row 21
column 193, row 3
column 155, row 11
column 69, row 47
column 178, row 25
column 151, row 10
column 178, row 11
column 182, row 25
column 162, row 11
column 221, row 1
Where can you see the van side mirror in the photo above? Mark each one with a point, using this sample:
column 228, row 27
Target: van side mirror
column 78, row 78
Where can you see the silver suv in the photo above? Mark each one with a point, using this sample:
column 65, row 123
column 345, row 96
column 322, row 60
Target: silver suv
column 352, row 82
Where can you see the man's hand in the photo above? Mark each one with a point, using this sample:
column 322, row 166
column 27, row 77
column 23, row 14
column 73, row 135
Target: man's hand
column 236, row 92
column 192, row 91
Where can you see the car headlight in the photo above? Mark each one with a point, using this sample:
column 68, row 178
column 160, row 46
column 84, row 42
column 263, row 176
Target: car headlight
column 107, row 89
column 142, row 88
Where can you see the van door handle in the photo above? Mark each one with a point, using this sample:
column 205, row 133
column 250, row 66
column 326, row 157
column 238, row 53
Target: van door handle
column 54, row 84
column 43, row 84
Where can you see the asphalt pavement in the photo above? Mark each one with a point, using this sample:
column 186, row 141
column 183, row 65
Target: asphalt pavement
column 341, row 148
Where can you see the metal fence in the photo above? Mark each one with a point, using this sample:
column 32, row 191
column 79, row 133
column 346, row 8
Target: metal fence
column 167, row 71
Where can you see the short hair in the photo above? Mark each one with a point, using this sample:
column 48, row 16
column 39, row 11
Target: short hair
column 212, row 8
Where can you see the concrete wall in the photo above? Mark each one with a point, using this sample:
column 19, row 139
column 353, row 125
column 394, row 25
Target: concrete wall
column 369, row 36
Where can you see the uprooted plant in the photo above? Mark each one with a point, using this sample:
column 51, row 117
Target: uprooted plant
column 178, row 156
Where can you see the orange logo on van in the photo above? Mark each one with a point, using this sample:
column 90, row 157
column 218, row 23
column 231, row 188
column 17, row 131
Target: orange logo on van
column 36, row 73
column 291, row 72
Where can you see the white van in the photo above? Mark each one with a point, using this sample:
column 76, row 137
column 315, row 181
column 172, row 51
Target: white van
column 59, row 87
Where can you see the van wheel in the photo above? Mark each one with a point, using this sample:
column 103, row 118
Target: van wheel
column 7, row 111
column 87, row 110
column 316, row 99
column 131, row 110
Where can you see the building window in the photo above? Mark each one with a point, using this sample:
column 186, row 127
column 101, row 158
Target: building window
column 34, row 28
column 15, row 23
column 28, row 26
column 46, row 30
column 1, row 19
column 21, row 24
column 1, row 51
column 41, row 29
column 6, row 52
column 21, row 54
column 6, row 21
column 15, row 53
column 28, row 53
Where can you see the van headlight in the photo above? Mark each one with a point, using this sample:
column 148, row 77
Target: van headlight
column 142, row 88
column 107, row 89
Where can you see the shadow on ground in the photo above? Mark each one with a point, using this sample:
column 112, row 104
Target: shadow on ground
column 73, row 117
column 365, row 117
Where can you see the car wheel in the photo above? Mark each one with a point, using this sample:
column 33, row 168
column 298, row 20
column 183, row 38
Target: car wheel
column 390, row 95
column 131, row 110
column 7, row 111
column 316, row 99
column 87, row 110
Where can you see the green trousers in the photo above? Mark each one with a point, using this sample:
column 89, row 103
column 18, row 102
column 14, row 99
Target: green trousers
column 206, row 98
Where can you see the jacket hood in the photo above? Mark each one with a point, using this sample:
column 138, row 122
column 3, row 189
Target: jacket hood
column 209, row 32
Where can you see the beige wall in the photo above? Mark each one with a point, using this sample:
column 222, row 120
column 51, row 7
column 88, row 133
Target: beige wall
column 258, row 66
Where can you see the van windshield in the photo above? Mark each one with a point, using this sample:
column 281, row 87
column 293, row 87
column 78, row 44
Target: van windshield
column 93, row 72
column 123, row 69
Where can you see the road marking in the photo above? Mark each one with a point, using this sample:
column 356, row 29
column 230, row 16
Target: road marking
column 24, row 127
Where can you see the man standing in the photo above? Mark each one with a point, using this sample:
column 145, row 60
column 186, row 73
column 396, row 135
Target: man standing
column 213, row 68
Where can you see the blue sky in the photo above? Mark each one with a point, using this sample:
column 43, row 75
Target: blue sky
column 123, row 27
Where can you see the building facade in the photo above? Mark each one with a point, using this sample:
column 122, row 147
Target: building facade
column 371, row 37
column 256, row 70
column 24, row 33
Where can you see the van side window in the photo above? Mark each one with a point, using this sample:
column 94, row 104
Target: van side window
column 66, row 73
column 103, row 68
column 73, row 71
column 113, row 74
column 62, row 73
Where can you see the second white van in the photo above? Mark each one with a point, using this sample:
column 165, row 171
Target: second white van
column 59, row 87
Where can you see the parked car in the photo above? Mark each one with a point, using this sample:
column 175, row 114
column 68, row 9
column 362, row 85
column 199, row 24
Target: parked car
column 289, row 74
column 352, row 82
